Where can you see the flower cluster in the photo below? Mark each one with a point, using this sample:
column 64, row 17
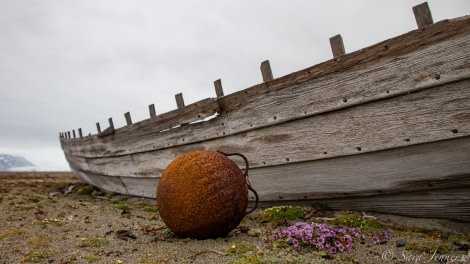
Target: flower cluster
column 324, row 236
column 321, row 236
column 376, row 237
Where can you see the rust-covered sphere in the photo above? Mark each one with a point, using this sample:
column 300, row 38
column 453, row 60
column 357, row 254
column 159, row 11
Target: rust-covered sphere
column 202, row 194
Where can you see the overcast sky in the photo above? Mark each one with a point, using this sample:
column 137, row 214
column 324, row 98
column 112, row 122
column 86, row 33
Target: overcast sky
column 67, row 64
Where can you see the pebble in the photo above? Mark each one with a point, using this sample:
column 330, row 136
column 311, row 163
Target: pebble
column 254, row 232
column 401, row 243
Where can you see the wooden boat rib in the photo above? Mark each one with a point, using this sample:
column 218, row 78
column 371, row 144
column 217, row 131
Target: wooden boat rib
column 385, row 129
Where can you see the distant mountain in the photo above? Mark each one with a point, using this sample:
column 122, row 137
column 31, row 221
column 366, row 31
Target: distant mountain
column 9, row 162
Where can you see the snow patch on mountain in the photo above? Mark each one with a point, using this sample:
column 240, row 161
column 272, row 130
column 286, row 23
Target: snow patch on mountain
column 15, row 163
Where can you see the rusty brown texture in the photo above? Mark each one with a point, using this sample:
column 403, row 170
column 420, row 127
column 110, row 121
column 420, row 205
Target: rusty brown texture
column 202, row 194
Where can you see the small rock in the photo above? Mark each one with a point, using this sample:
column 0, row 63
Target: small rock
column 125, row 234
column 462, row 245
column 126, row 214
column 254, row 232
column 98, row 193
column 401, row 243
column 244, row 229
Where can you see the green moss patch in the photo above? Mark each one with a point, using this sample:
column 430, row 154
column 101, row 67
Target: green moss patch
column 280, row 213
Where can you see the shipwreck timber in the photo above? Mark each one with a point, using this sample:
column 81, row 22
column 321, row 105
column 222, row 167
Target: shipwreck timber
column 385, row 128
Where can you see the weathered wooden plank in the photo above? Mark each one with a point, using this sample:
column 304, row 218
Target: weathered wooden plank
column 423, row 15
column 218, row 88
column 108, row 131
column 106, row 183
column 420, row 117
column 420, row 168
column 127, row 115
column 80, row 132
column 337, row 46
column 152, row 111
column 266, row 71
column 179, row 100
column 361, row 84
column 142, row 186
column 98, row 128
column 452, row 204
column 153, row 134
column 190, row 113
column 111, row 124
column 424, row 116
column 77, row 162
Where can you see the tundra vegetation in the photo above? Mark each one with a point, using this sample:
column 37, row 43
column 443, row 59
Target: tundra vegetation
column 41, row 223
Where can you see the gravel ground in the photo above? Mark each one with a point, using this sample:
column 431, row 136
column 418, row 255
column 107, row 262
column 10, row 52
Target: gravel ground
column 41, row 223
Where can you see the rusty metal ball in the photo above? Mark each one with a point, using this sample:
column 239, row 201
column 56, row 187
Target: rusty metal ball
column 202, row 194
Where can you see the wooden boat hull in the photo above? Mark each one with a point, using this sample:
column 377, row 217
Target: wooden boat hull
column 384, row 129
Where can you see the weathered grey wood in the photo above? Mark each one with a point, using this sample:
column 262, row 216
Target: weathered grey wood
column 152, row 111
column 218, row 88
column 68, row 134
column 141, row 135
column 417, row 167
column 367, row 181
column 73, row 132
column 423, row 15
column 337, row 46
column 266, row 71
column 452, row 204
column 388, row 121
column 318, row 96
column 426, row 116
column 111, row 124
column 98, row 128
column 80, row 133
column 108, row 184
column 108, row 131
column 362, row 83
column 389, row 48
column 142, row 186
column 373, row 126
column 127, row 115
column 179, row 100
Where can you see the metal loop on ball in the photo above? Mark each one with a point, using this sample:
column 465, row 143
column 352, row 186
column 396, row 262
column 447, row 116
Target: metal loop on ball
column 246, row 177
